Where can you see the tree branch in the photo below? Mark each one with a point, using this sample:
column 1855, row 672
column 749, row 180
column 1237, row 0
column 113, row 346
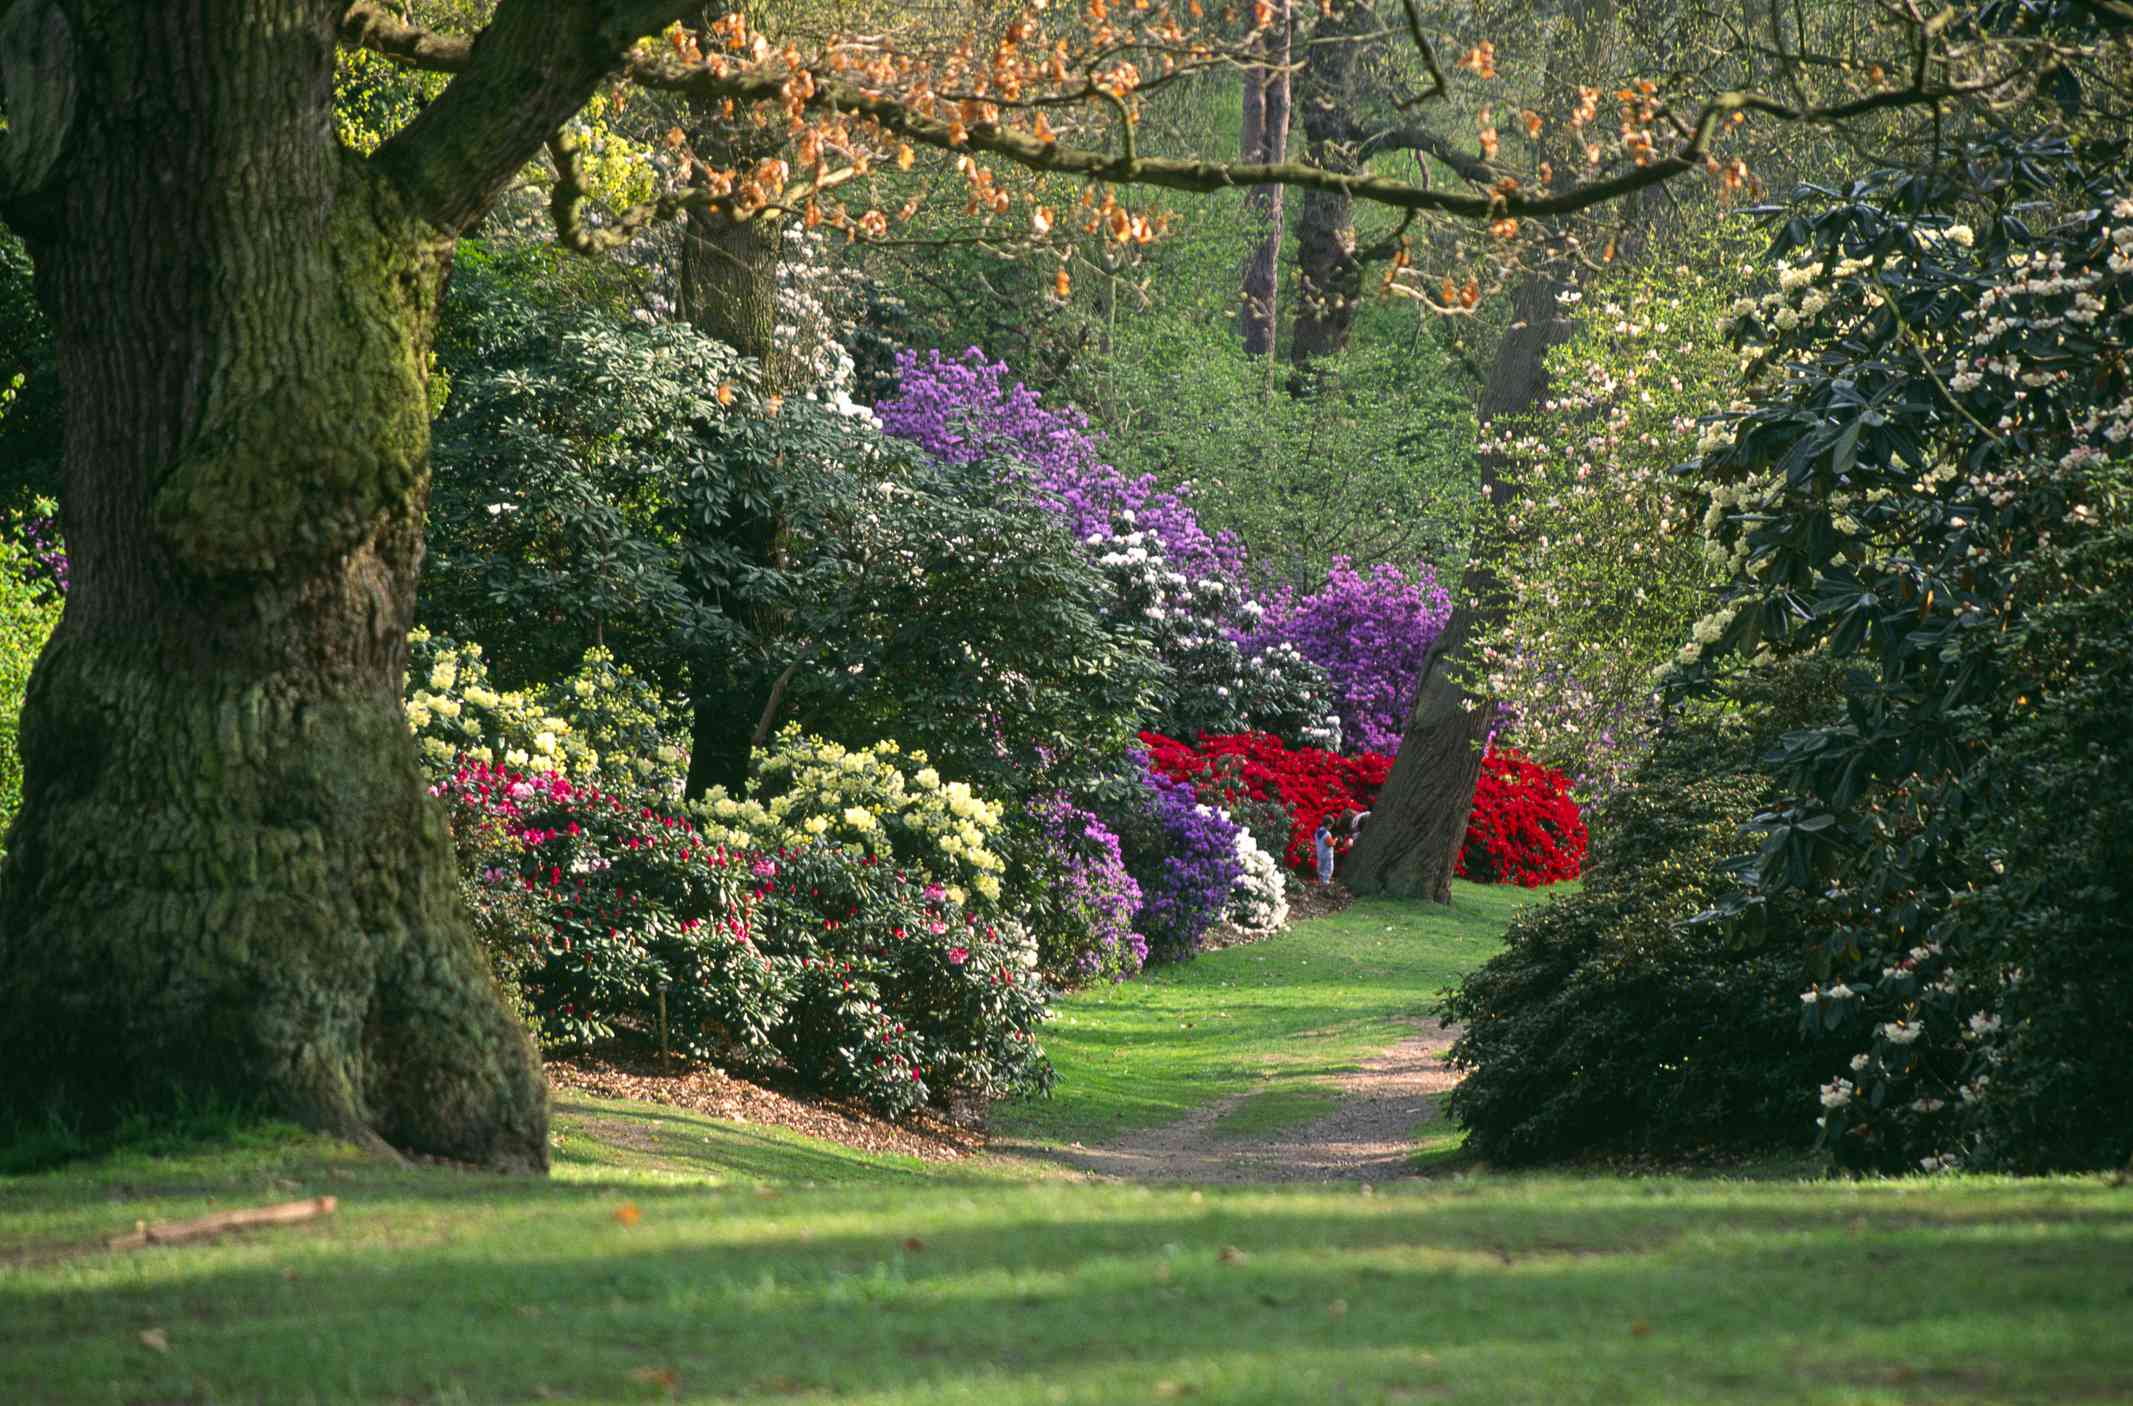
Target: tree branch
column 535, row 64
column 531, row 46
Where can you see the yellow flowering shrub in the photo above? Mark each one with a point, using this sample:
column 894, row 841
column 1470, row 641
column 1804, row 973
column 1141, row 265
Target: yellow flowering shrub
column 602, row 725
column 880, row 800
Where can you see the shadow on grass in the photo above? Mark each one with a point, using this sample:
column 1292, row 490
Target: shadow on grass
column 869, row 1291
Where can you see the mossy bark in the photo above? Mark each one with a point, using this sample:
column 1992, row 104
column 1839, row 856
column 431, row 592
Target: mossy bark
column 227, row 877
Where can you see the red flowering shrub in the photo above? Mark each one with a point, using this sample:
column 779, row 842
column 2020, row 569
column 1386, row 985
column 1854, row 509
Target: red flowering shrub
column 1309, row 784
column 1525, row 829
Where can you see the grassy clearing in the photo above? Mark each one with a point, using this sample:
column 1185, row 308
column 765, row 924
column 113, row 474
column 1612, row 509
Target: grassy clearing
column 910, row 1284
column 679, row 1257
column 1301, row 1006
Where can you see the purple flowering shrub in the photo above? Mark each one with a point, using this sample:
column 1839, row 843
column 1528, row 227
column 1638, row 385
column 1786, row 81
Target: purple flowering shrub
column 1184, row 856
column 965, row 410
column 1371, row 633
column 1074, row 892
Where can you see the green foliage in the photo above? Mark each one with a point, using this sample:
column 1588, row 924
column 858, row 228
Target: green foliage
column 1603, row 572
column 29, row 612
column 1613, row 1023
column 604, row 481
column 1948, row 414
column 1373, row 462
column 976, row 631
column 31, row 404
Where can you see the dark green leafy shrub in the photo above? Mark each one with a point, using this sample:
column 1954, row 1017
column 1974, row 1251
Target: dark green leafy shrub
column 1613, row 1024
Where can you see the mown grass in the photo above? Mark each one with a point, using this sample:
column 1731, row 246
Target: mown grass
column 674, row 1256
column 1296, row 1008
column 899, row 1283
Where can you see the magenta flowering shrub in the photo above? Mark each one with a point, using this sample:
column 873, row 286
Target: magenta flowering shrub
column 965, row 410
column 866, row 981
column 1371, row 633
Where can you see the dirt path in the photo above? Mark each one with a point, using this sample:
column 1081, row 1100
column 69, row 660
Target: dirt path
column 1368, row 1137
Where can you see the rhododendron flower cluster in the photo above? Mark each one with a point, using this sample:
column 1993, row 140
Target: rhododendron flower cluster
column 1311, row 784
column 965, row 410
column 1082, row 905
column 1371, row 633
column 1525, row 829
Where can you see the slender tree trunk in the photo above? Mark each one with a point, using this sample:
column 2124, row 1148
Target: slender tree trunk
column 1265, row 139
column 1329, row 279
column 729, row 291
column 1411, row 845
column 226, row 876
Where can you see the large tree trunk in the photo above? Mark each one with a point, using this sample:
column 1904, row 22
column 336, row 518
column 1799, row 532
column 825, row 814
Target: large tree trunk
column 1411, row 845
column 1265, row 139
column 226, row 877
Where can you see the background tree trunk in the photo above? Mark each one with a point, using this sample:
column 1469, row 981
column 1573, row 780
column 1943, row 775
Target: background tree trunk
column 1411, row 845
column 1265, row 139
column 226, row 876
column 1329, row 280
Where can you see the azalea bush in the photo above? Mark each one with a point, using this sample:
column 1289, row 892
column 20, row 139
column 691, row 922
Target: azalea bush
column 1246, row 771
column 901, row 994
column 1370, row 632
column 864, row 979
column 595, row 903
column 1524, row 829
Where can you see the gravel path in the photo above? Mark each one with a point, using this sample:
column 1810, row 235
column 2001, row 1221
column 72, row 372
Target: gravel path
column 1368, row 1137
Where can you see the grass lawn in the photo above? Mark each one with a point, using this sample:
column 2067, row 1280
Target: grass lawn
column 678, row 1257
column 1272, row 1018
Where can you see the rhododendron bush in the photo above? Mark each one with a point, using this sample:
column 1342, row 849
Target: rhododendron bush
column 1525, row 829
column 1309, row 784
column 864, row 978
column 1371, row 633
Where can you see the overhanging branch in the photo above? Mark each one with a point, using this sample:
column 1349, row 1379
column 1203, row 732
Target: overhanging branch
column 368, row 26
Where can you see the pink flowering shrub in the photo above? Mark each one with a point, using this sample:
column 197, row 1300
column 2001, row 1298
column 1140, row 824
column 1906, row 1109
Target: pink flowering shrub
column 866, row 982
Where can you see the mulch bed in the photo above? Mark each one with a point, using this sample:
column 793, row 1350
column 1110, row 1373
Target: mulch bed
column 1305, row 901
column 705, row 1089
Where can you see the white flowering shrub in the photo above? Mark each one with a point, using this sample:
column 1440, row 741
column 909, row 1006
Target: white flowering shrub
column 1602, row 569
column 1931, row 490
column 1259, row 900
column 879, row 800
column 1193, row 625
